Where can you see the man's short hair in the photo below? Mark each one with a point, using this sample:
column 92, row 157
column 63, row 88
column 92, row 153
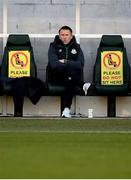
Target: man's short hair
column 65, row 28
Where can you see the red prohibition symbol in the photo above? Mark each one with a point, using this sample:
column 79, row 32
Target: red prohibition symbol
column 17, row 62
column 109, row 62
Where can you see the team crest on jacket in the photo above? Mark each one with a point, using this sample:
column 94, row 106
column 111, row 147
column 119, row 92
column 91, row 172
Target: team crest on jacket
column 60, row 50
column 73, row 51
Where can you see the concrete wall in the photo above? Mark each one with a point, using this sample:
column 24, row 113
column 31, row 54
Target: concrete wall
column 47, row 16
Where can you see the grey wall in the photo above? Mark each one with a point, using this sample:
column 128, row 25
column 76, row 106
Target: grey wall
column 106, row 16
column 1, row 17
column 46, row 16
column 43, row 16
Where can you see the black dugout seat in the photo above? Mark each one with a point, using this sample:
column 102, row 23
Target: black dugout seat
column 111, row 69
column 18, row 60
column 18, row 72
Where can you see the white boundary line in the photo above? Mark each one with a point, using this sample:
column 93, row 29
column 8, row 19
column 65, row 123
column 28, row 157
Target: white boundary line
column 67, row 132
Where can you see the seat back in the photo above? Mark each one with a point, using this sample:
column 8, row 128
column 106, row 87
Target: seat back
column 111, row 69
column 18, row 58
column 18, row 61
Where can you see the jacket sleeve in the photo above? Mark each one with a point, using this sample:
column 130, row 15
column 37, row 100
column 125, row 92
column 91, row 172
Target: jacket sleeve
column 53, row 59
column 79, row 63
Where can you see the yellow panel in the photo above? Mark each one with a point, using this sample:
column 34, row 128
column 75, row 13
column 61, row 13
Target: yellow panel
column 112, row 68
column 19, row 64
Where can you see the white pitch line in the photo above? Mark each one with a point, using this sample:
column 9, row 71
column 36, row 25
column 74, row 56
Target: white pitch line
column 66, row 132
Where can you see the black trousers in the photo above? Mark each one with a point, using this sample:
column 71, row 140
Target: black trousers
column 72, row 79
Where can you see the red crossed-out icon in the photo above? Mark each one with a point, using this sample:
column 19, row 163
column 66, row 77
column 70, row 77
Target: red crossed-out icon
column 19, row 60
column 111, row 60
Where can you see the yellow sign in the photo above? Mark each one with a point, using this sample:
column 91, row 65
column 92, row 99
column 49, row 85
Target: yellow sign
column 19, row 64
column 111, row 68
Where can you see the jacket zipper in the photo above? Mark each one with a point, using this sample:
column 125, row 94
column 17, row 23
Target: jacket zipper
column 66, row 52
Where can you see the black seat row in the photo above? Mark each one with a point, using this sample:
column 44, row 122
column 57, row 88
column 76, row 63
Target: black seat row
column 111, row 69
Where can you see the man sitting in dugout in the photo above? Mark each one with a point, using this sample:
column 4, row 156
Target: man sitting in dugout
column 67, row 60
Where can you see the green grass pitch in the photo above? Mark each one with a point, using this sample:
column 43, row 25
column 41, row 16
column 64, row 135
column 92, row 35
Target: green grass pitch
column 61, row 148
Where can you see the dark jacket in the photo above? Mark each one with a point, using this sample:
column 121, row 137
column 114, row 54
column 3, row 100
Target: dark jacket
column 71, row 52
